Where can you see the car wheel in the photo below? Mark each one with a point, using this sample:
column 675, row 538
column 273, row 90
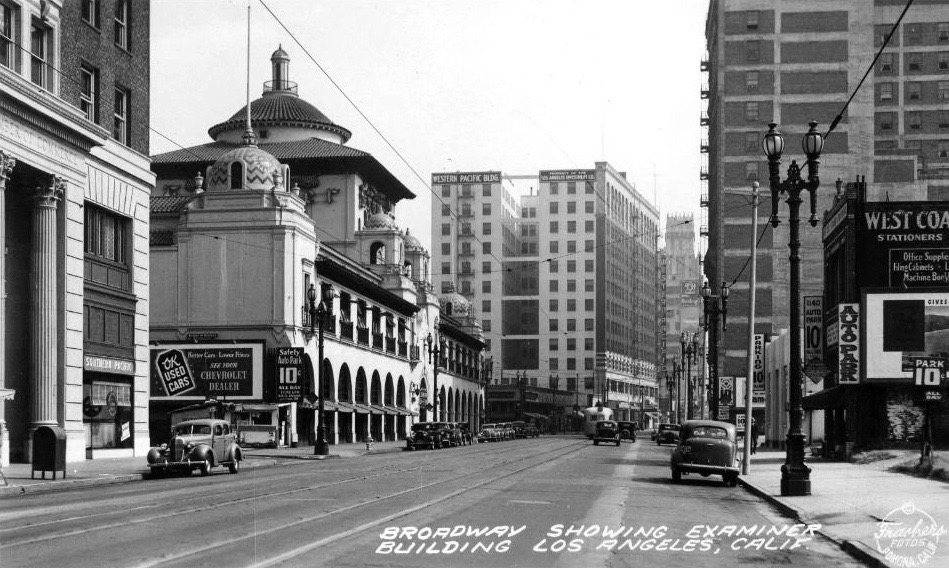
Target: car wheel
column 676, row 475
column 730, row 480
column 658, row 443
column 596, row 442
column 205, row 468
column 158, row 472
column 234, row 466
column 617, row 443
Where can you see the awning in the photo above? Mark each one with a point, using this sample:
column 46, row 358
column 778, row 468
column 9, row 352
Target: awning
column 361, row 408
column 389, row 410
column 345, row 407
column 537, row 416
column 328, row 405
column 405, row 411
column 255, row 407
column 834, row 397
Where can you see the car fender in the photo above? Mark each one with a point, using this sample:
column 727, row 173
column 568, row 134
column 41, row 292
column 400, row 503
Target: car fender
column 234, row 454
column 202, row 452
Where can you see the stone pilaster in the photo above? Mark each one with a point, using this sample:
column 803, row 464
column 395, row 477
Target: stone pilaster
column 44, row 323
column 6, row 169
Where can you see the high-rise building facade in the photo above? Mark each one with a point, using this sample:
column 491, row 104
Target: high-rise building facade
column 564, row 280
column 74, row 186
column 791, row 63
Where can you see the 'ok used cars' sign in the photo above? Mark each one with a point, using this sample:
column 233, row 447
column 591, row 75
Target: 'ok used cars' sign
column 172, row 368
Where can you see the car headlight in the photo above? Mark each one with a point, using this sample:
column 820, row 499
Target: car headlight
column 685, row 449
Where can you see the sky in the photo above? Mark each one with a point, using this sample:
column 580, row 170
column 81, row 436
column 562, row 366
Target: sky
column 455, row 85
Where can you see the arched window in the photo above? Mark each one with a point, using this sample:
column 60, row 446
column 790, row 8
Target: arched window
column 237, row 175
column 377, row 253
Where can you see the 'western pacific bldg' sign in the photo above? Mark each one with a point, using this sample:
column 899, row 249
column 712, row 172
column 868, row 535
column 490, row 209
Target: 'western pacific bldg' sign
column 466, row 177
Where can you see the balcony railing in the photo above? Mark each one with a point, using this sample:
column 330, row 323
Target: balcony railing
column 362, row 335
column 329, row 324
column 704, row 65
column 704, row 91
column 414, row 353
column 403, row 348
column 377, row 340
column 703, row 173
column 346, row 330
column 390, row 344
column 703, row 230
column 703, row 200
column 704, row 120
column 703, row 147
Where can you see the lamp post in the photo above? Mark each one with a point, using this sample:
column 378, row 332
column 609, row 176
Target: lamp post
column 795, row 476
column 714, row 306
column 690, row 347
column 670, row 387
column 318, row 317
column 677, row 377
column 435, row 347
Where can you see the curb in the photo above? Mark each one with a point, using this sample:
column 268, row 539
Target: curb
column 70, row 484
column 855, row 548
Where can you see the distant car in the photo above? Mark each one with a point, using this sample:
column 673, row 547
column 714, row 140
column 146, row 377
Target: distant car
column 627, row 430
column 520, row 429
column 667, row 434
column 531, row 430
column 489, row 433
column 446, row 435
column 507, row 431
column 707, row 447
column 197, row 444
column 423, row 436
column 606, row 431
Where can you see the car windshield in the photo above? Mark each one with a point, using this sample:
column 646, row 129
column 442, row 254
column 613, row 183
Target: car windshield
column 189, row 429
column 607, row 424
column 425, row 426
column 486, row 426
column 668, row 427
column 709, row 432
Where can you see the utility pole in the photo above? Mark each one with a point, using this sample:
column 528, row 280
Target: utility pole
column 746, row 459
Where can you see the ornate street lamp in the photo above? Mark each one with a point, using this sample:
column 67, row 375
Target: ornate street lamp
column 795, row 476
column 714, row 306
column 318, row 317
column 435, row 347
column 689, row 343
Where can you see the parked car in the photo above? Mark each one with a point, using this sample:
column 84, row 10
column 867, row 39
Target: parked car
column 466, row 435
column 531, row 430
column 520, row 429
column 423, row 436
column 507, row 431
column 707, row 447
column 667, row 434
column 606, row 432
column 489, row 433
column 197, row 444
column 627, row 430
column 445, row 435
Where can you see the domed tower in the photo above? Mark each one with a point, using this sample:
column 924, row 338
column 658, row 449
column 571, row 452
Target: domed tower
column 280, row 115
column 380, row 241
column 247, row 168
column 417, row 259
column 454, row 304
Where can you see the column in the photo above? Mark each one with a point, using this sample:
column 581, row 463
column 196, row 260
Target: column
column 6, row 169
column 44, row 327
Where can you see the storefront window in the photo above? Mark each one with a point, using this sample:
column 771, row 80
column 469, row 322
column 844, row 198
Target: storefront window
column 107, row 414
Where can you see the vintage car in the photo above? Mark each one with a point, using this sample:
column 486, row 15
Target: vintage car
column 605, row 432
column 667, row 434
column 423, row 436
column 489, row 433
column 706, row 447
column 197, row 444
column 627, row 430
column 531, row 430
column 446, row 435
column 520, row 428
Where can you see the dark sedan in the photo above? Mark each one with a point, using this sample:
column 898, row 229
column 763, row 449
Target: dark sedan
column 667, row 434
column 606, row 431
column 706, row 447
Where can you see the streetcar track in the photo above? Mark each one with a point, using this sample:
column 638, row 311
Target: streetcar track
column 187, row 511
column 207, row 547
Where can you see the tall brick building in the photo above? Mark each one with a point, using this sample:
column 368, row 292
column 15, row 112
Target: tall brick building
column 792, row 62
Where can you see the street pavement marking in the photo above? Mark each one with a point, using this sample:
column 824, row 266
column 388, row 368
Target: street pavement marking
column 528, row 502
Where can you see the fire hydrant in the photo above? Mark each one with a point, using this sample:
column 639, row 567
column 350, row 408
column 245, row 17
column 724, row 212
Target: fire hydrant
column 368, row 443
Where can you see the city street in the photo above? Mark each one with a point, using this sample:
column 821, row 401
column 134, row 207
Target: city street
column 538, row 502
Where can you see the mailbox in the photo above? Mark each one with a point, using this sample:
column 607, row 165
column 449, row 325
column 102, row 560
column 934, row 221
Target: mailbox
column 49, row 451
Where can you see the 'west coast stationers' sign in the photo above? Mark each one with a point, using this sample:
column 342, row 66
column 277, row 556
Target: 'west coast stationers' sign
column 904, row 244
column 223, row 371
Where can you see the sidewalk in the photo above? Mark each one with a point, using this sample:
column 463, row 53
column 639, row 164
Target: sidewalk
column 122, row 470
column 850, row 500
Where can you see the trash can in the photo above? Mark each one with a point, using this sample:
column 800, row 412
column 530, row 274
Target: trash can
column 49, row 451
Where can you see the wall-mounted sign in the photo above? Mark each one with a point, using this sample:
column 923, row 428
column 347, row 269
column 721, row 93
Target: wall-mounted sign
column 758, row 376
column 903, row 244
column 848, row 352
column 567, row 175
column 467, row 177
column 726, row 391
column 290, row 375
column 102, row 364
column 813, row 328
column 224, row 371
column 903, row 328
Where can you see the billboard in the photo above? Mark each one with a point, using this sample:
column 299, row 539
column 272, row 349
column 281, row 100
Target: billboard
column 903, row 328
column 848, row 354
column 903, row 244
column 289, row 379
column 223, row 371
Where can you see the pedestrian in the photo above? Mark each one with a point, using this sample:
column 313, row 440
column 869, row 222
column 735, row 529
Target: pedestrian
column 754, row 436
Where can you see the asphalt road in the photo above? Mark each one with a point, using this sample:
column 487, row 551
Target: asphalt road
column 552, row 501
